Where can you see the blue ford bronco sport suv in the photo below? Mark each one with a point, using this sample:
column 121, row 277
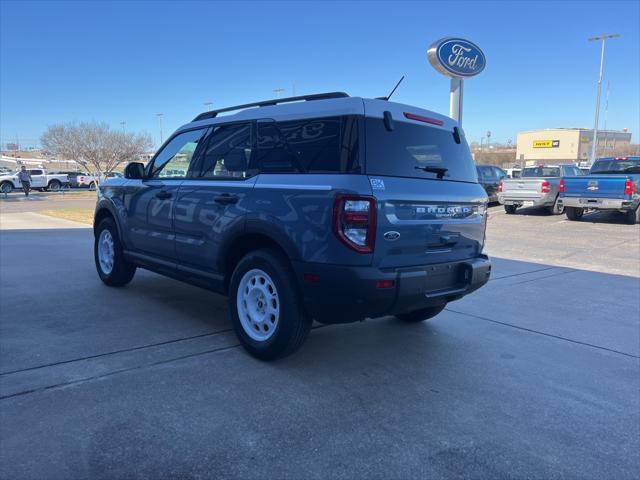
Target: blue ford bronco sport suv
column 323, row 207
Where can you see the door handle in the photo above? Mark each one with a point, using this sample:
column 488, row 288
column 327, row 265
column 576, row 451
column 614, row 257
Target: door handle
column 226, row 199
column 163, row 194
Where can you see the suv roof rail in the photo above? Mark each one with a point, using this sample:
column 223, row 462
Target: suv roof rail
column 269, row 103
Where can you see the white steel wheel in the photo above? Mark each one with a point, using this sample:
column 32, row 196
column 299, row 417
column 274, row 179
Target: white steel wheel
column 258, row 305
column 106, row 251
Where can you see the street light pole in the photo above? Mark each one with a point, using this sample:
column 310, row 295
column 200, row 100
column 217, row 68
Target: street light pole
column 278, row 91
column 123, row 124
column 602, row 38
column 208, row 105
column 159, row 115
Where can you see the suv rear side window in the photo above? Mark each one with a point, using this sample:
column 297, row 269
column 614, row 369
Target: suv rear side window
column 317, row 145
column 402, row 151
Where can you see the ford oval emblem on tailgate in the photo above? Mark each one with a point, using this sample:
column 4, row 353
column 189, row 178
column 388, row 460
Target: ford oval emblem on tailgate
column 391, row 236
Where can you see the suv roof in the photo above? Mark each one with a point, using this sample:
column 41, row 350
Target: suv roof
column 320, row 105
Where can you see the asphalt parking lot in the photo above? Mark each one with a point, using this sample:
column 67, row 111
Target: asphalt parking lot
column 536, row 375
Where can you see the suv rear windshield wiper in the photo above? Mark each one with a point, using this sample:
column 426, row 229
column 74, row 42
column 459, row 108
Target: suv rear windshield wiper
column 439, row 171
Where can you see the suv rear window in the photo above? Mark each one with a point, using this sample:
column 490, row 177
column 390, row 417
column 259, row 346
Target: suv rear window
column 616, row 166
column 540, row 172
column 402, row 151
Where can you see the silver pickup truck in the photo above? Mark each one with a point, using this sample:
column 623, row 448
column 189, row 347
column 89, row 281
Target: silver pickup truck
column 537, row 187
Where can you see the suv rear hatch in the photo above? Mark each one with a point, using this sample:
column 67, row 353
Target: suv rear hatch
column 423, row 219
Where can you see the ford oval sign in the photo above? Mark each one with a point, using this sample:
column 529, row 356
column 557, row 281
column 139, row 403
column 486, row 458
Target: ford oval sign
column 456, row 57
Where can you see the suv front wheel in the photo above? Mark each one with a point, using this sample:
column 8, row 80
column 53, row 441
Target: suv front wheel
column 265, row 306
column 112, row 267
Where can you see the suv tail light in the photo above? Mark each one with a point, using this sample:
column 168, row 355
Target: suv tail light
column 354, row 221
column 500, row 187
column 629, row 187
column 561, row 187
column 545, row 187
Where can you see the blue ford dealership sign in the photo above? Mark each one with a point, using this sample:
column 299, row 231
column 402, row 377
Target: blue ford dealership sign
column 456, row 57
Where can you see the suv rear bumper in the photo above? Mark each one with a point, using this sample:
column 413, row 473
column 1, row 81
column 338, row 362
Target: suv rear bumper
column 343, row 294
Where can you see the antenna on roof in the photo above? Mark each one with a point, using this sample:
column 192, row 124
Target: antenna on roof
column 392, row 91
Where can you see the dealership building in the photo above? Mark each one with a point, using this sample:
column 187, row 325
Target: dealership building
column 566, row 145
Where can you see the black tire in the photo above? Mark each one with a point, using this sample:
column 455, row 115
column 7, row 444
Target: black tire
column 122, row 271
column 6, row 187
column 555, row 209
column 510, row 209
column 632, row 216
column 421, row 315
column 574, row 213
column 54, row 186
column 293, row 324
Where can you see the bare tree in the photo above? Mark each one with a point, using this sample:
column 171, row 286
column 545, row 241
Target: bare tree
column 95, row 146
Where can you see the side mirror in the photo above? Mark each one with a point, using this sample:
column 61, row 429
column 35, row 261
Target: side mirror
column 134, row 171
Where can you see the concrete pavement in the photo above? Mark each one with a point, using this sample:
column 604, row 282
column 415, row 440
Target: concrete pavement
column 525, row 378
column 36, row 221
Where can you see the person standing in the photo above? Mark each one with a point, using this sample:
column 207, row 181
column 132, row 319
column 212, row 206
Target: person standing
column 25, row 179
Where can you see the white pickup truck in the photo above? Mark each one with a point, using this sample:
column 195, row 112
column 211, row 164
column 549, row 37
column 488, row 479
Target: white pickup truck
column 40, row 180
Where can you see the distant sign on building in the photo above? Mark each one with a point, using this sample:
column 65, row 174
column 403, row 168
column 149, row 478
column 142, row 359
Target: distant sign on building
column 546, row 143
column 566, row 145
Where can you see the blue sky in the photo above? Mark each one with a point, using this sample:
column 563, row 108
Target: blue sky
column 127, row 61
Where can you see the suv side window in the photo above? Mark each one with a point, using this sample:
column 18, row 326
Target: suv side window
column 227, row 153
column 316, row 145
column 174, row 159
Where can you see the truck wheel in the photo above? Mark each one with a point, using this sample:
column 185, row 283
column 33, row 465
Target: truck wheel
column 6, row 187
column 54, row 186
column 422, row 315
column 633, row 216
column 555, row 209
column 574, row 213
column 265, row 306
column 112, row 267
column 510, row 209
column 92, row 186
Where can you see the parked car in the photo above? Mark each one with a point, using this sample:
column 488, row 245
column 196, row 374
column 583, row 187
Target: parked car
column 334, row 208
column 40, row 180
column 489, row 177
column 537, row 187
column 109, row 175
column 86, row 180
column 72, row 176
column 612, row 184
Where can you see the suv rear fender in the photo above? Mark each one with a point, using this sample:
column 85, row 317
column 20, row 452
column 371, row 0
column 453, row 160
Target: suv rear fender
column 256, row 233
column 297, row 211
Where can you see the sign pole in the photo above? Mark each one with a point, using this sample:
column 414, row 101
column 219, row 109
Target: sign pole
column 455, row 99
